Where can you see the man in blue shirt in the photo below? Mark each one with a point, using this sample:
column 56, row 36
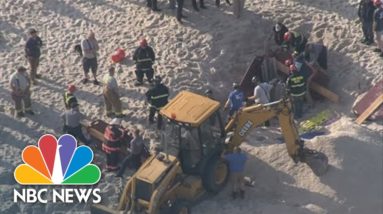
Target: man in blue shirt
column 235, row 100
column 237, row 161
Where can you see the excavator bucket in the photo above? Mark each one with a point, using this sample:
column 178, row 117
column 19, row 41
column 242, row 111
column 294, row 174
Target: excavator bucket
column 317, row 161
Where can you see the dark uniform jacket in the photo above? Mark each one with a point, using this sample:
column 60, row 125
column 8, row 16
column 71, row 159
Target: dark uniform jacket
column 296, row 84
column 366, row 11
column 69, row 99
column 278, row 36
column 378, row 18
column 32, row 48
column 158, row 96
column 144, row 57
column 113, row 135
column 298, row 42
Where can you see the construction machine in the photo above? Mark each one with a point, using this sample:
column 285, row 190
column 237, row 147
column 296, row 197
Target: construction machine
column 172, row 182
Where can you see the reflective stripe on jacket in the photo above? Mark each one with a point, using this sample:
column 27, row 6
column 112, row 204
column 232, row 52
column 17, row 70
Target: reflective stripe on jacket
column 69, row 99
column 113, row 136
column 158, row 96
column 297, row 85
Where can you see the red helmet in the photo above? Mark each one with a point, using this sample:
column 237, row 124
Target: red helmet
column 143, row 43
column 288, row 62
column 287, row 36
column 377, row 3
column 292, row 68
column 71, row 88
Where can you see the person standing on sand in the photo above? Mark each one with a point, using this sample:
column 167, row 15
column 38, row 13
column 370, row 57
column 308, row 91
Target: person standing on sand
column 112, row 95
column 237, row 161
column 20, row 91
column 279, row 31
column 114, row 134
column 72, row 118
column 144, row 58
column 295, row 40
column 33, row 52
column 262, row 92
column 201, row 5
column 378, row 26
column 157, row 97
column 366, row 16
column 152, row 4
column 69, row 97
column 238, row 6
column 180, row 5
column 297, row 88
column 89, row 48
column 235, row 100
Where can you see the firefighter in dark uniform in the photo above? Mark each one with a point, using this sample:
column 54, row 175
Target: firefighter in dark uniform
column 157, row 97
column 69, row 97
column 279, row 31
column 114, row 134
column 297, row 41
column 201, row 5
column 296, row 86
column 144, row 58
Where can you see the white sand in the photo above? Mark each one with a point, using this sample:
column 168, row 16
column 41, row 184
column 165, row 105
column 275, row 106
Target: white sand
column 211, row 49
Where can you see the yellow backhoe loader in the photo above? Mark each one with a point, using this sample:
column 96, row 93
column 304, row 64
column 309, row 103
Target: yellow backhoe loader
column 171, row 183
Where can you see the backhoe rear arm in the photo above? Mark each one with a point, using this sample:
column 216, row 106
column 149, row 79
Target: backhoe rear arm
column 253, row 116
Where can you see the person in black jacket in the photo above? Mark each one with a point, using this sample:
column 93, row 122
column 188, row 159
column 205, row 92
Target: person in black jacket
column 279, row 31
column 201, row 4
column 144, row 58
column 32, row 52
column 152, row 4
column 157, row 97
column 366, row 15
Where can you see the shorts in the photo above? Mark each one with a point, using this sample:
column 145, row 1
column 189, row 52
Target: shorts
column 89, row 64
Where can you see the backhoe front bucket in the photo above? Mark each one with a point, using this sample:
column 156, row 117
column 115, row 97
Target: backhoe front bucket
column 317, row 161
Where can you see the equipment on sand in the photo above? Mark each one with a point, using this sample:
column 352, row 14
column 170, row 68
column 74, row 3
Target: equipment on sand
column 118, row 55
column 171, row 183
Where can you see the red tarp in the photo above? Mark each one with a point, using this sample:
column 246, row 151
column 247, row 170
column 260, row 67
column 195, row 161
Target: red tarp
column 367, row 99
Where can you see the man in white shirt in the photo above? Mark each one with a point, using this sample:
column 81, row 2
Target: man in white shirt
column 112, row 95
column 20, row 91
column 262, row 92
column 89, row 48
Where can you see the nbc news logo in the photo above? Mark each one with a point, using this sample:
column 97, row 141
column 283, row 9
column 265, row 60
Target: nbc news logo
column 57, row 162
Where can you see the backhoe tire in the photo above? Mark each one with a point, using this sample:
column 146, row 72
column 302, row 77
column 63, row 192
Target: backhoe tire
column 215, row 175
column 180, row 207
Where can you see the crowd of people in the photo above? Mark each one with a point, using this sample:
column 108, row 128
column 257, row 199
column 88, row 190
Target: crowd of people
column 370, row 13
column 237, row 6
column 115, row 135
column 305, row 58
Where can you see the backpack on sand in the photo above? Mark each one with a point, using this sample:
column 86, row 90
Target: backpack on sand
column 78, row 49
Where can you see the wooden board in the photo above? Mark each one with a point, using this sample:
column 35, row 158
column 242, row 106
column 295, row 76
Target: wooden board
column 370, row 110
column 313, row 85
column 372, row 94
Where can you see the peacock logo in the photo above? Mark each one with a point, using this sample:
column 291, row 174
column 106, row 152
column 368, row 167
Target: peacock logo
column 57, row 162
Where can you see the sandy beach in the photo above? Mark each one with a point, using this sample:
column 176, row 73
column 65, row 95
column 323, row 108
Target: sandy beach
column 211, row 49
